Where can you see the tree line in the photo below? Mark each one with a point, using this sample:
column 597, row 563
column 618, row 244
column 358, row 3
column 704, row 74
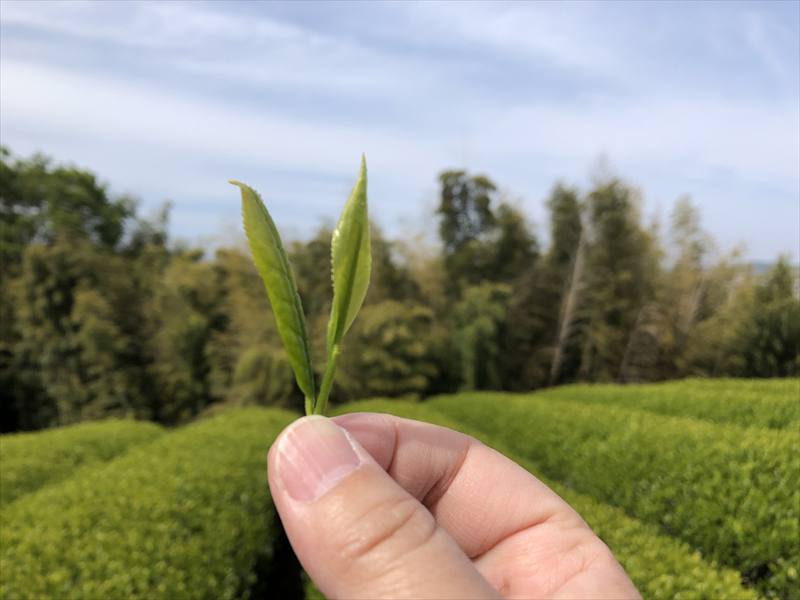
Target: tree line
column 102, row 315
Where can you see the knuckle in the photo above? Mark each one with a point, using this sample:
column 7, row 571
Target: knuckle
column 388, row 531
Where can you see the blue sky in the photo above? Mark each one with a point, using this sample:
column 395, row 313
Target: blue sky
column 170, row 100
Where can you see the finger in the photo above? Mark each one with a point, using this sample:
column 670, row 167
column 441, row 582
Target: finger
column 354, row 529
column 524, row 538
column 478, row 495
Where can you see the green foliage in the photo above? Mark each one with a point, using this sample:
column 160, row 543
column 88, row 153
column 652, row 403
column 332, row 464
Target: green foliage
column 187, row 516
column 351, row 261
column 465, row 209
column 351, row 264
column 686, row 286
column 248, row 366
column 481, row 244
column 312, row 267
column 542, row 345
column 478, row 321
column 75, row 325
column 276, row 271
column 391, row 277
column 660, row 566
column 181, row 318
column 38, row 202
column 263, row 376
column 565, row 229
column 390, row 352
column 618, row 282
column 771, row 344
column 91, row 326
column 101, row 316
column 771, row 403
column 715, row 343
column 29, row 461
column 515, row 248
column 732, row 492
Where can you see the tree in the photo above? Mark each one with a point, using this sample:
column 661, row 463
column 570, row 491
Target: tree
column 478, row 324
column 685, row 287
column 714, row 344
column 390, row 279
column 75, row 316
column 182, row 317
column 389, row 352
column 565, row 230
column 701, row 301
column 247, row 361
column 57, row 227
column 311, row 263
column 515, row 247
column 570, row 302
column 480, row 243
column 771, row 344
column 37, row 200
column 465, row 209
column 466, row 222
column 620, row 278
column 538, row 300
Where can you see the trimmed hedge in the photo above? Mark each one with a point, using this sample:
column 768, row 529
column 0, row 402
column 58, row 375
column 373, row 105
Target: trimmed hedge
column 187, row 516
column 660, row 566
column 29, row 461
column 731, row 492
column 772, row 403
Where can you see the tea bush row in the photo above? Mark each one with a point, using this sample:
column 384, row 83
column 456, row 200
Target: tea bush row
column 660, row 566
column 30, row 460
column 729, row 491
column 773, row 403
column 187, row 516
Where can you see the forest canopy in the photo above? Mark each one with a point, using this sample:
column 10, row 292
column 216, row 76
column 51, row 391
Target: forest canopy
column 102, row 315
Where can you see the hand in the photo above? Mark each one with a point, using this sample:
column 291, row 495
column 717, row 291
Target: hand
column 381, row 507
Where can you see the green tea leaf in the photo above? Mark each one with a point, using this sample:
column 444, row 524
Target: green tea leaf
column 275, row 270
column 350, row 261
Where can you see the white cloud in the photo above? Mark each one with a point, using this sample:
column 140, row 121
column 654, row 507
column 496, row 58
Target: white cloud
column 759, row 143
column 250, row 50
column 44, row 98
column 539, row 31
column 764, row 38
column 176, row 95
column 162, row 25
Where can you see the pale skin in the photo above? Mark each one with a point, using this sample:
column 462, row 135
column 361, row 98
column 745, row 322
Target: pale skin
column 377, row 506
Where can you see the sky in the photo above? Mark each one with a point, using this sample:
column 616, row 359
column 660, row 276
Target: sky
column 170, row 100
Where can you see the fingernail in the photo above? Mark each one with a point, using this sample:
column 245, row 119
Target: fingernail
column 314, row 455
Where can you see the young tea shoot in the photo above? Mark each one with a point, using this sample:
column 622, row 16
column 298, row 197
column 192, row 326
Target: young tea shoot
column 351, row 260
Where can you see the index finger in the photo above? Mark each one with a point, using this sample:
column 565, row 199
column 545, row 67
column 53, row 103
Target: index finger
column 476, row 494
column 520, row 534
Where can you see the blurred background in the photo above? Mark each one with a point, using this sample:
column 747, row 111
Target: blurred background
column 169, row 100
column 559, row 192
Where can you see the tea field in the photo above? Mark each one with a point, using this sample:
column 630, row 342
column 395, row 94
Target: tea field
column 694, row 485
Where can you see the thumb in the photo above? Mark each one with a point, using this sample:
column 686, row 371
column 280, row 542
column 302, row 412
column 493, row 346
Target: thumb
column 357, row 532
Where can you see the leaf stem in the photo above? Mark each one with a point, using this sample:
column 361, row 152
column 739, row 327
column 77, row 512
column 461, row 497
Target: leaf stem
column 327, row 380
column 309, row 406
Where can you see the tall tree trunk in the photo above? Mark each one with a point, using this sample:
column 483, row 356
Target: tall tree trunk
column 684, row 328
column 568, row 308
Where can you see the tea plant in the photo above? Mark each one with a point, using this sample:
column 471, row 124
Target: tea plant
column 186, row 516
column 659, row 565
column 351, row 260
column 718, row 488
